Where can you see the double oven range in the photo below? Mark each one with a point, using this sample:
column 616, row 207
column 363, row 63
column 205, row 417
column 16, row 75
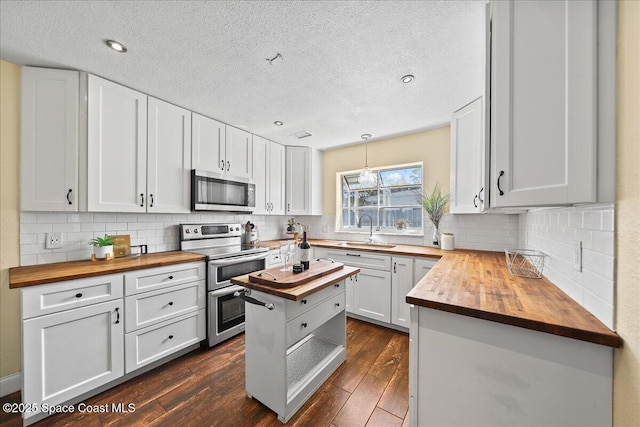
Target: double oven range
column 226, row 257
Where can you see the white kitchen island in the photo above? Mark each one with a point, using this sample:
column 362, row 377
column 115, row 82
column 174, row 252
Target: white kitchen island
column 295, row 339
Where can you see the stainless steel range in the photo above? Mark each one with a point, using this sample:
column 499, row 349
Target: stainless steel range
column 227, row 257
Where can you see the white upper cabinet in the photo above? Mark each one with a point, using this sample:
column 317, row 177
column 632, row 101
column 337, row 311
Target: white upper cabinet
column 468, row 164
column 543, row 102
column 49, row 140
column 207, row 144
column 238, row 149
column 116, row 147
column 303, row 181
column 168, row 158
column 268, row 176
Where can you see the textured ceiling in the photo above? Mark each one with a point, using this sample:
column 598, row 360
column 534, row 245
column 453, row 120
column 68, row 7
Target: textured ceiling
column 339, row 75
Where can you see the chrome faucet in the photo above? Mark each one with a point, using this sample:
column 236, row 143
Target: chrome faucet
column 370, row 226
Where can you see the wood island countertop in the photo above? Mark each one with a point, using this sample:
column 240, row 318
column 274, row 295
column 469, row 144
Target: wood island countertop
column 20, row 277
column 478, row 284
column 299, row 292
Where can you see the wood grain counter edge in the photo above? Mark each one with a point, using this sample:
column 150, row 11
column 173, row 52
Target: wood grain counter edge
column 299, row 292
column 20, row 277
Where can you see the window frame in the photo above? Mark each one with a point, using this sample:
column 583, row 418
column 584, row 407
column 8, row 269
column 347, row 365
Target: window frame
column 409, row 231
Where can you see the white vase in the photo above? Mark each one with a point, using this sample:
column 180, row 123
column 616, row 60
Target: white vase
column 101, row 252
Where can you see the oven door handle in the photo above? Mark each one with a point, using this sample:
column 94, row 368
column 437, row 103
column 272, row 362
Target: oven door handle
column 239, row 259
column 244, row 295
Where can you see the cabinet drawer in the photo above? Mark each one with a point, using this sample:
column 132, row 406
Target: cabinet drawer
column 361, row 259
column 295, row 308
column 148, row 308
column 155, row 342
column 156, row 278
column 301, row 326
column 47, row 299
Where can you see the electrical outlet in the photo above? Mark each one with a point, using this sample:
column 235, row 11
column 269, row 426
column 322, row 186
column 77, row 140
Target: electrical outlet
column 53, row 240
column 577, row 255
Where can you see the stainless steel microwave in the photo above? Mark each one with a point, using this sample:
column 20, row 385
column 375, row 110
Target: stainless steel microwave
column 212, row 192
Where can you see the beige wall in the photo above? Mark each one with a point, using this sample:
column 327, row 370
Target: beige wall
column 9, row 216
column 431, row 147
column 626, row 383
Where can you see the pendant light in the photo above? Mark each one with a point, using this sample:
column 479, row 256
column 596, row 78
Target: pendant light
column 366, row 176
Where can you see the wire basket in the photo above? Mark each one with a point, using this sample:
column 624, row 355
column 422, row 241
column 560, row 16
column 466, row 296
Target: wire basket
column 525, row 262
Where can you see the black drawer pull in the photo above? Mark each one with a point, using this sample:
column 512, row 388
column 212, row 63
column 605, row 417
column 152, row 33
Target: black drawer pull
column 500, row 189
column 170, row 277
column 304, row 325
column 475, row 205
column 348, row 254
column 78, row 295
column 337, row 285
column 304, row 301
column 170, row 337
column 141, row 199
column 118, row 315
column 69, row 194
column 170, row 302
column 337, row 304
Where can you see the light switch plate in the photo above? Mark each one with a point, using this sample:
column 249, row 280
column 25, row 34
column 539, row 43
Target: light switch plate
column 577, row 255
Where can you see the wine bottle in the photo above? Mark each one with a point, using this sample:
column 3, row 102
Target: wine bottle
column 305, row 251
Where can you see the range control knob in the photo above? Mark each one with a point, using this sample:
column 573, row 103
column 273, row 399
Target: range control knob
column 237, row 228
column 230, row 229
column 187, row 231
column 195, row 230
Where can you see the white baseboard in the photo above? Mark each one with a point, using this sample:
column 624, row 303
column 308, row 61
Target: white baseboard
column 10, row 384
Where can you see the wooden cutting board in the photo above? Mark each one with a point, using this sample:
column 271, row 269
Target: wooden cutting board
column 287, row 279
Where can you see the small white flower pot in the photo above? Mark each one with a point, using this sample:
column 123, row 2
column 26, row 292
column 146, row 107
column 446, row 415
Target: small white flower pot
column 102, row 252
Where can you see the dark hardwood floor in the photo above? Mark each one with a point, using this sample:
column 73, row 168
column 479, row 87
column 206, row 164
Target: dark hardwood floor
column 206, row 388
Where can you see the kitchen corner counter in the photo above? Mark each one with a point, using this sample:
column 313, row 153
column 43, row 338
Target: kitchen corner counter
column 20, row 277
column 478, row 284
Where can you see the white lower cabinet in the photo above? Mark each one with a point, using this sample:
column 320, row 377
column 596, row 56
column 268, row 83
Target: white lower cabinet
column 71, row 352
column 402, row 281
column 73, row 332
column 155, row 342
column 165, row 311
column 372, row 294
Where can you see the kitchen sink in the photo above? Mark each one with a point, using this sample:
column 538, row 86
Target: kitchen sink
column 368, row 244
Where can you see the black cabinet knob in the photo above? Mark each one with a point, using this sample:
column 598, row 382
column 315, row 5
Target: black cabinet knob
column 170, row 277
column 304, row 301
column 337, row 304
column 78, row 295
column 170, row 337
column 170, row 302
column 304, row 325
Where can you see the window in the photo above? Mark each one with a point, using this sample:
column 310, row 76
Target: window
column 390, row 198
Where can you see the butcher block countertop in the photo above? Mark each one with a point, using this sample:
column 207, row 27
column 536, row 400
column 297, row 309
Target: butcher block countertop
column 478, row 284
column 20, row 277
column 299, row 292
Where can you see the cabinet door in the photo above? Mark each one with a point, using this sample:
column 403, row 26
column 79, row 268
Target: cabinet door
column 349, row 283
column 543, row 102
column 421, row 266
column 372, row 294
column 276, row 178
column 207, row 144
column 467, row 162
column 238, row 151
column 297, row 180
column 168, row 158
column 260, row 175
column 117, row 148
column 49, row 140
column 401, row 283
column 72, row 352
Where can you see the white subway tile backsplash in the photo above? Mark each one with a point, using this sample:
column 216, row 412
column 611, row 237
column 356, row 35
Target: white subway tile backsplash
column 555, row 232
column 68, row 226
column 52, row 257
column 51, row 217
column 92, row 226
column 28, row 217
column 104, row 217
column 35, row 228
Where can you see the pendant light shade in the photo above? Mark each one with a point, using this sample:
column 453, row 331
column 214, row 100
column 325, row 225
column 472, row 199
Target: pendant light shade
column 366, row 176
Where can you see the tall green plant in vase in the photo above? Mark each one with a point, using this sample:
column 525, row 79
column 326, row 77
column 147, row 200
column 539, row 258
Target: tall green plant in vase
column 434, row 204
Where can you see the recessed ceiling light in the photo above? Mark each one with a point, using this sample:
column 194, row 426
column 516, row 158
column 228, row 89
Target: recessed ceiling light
column 407, row 79
column 302, row 134
column 365, row 136
column 117, row 46
column 277, row 123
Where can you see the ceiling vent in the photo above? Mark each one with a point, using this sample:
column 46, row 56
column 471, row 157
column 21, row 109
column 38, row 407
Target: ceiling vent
column 302, row 134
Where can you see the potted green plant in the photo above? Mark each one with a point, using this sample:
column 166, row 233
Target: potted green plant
column 291, row 224
column 102, row 247
column 434, row 204
column 401, row 223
